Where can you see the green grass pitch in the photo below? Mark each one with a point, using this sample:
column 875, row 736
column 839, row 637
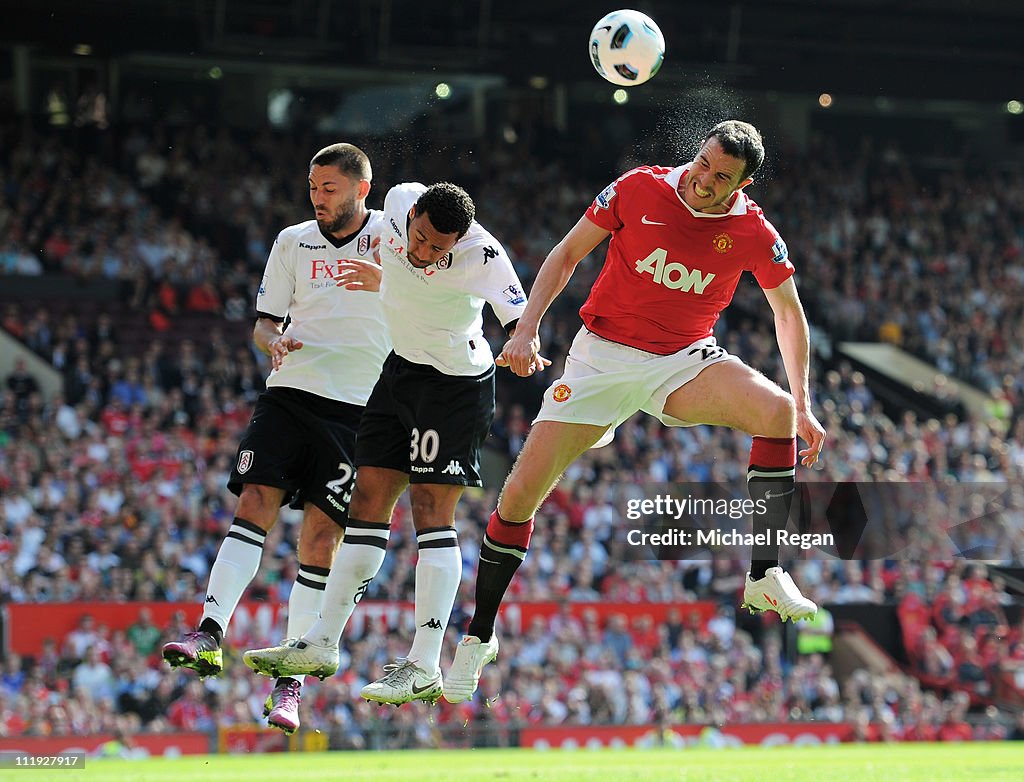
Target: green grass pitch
column 843, row 763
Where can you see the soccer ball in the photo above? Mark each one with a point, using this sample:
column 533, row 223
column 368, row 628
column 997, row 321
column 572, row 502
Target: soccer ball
column 627, row 47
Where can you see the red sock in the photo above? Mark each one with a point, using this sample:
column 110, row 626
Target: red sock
column 773, row 453
column 509, row 533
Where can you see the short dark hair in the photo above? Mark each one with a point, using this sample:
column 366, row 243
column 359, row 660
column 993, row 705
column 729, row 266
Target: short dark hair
column 450, row 208
column 740, row 140
column 348, row 158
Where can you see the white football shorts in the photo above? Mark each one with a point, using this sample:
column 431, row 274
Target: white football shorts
column 605, row 383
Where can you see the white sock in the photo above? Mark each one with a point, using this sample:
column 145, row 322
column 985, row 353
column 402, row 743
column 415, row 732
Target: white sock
column 235, row 567
column 438, row 573
column 359, row 558
column 305, row 602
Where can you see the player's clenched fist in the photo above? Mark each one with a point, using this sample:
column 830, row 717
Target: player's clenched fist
column 521, row 354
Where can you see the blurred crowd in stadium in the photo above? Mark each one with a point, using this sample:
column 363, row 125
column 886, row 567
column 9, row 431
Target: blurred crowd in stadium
column 115, row 490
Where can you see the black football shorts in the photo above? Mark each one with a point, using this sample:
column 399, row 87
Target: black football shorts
column 427, row 424
column 304, row 444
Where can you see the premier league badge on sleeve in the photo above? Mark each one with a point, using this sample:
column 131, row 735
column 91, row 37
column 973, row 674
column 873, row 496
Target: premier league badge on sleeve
column 514, row 295
column 605, row 197
column 779, row 251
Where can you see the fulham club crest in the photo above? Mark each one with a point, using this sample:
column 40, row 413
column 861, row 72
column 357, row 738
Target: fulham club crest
column 364, row 244
column 244, row 462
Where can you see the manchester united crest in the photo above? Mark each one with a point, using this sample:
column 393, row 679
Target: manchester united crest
column 722, row 243
column 561, row 392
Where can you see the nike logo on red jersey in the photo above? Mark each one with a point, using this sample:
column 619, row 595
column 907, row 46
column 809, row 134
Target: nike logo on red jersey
column 645, row 221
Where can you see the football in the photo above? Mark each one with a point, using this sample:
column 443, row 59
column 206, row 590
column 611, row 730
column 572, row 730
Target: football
column 627, row 47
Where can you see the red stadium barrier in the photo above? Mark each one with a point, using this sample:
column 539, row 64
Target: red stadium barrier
column 763, row 734
column 24, row 631
column 143, row 744
column 27, row 625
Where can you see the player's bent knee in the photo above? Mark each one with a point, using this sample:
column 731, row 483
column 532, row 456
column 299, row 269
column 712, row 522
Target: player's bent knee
column 779, row 417
column 259, row 505
column 518, row 501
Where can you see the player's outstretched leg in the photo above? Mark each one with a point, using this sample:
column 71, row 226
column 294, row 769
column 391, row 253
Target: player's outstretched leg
column 417, row 676
column 197, row 650
column 771, row 484
column 237, row 561
column 503, row 550
column 404, row 681
column 357, row 562
column 282, row 706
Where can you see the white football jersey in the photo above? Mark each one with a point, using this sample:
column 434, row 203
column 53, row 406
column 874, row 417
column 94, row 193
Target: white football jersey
column 345, row 339
column 435, row 315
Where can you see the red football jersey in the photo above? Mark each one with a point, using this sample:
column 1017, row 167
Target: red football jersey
column 670, row 271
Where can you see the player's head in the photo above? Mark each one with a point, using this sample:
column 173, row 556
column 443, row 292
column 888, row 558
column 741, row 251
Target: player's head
column 740, row 140
column 339, row 181
column 441, row 216
column 730, row 155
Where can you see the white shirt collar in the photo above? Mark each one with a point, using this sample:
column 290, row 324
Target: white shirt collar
column 673, row 177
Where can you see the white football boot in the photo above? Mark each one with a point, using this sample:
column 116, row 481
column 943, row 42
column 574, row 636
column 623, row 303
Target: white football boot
column 471, row 655
column 404, row 681
column 777, row 592
column 294, row 656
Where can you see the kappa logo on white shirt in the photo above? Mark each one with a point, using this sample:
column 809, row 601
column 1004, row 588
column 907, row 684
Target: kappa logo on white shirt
column 453, row 468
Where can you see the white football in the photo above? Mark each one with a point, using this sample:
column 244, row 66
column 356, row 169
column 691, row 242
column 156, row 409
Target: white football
column 627, row 47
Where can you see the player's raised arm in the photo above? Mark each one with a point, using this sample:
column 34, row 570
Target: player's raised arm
column 793, row 335
column 521, row 351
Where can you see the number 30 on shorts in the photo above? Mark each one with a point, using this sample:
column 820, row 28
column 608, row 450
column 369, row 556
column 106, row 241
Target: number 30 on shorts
column 424, row 447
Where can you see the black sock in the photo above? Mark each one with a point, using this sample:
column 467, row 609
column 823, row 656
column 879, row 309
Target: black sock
column 777, row 494
column 214, row 629
column 501, row 553
column 771, row 483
